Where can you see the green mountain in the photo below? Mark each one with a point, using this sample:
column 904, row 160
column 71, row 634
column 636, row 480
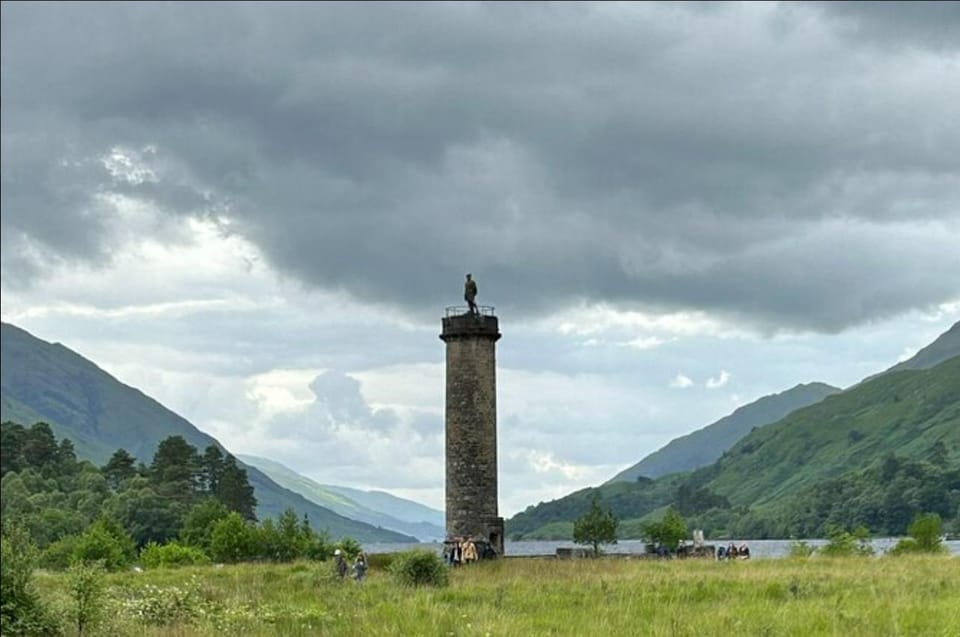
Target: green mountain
column 874, row 454
column 903, row 413
column 40, row 381
column 376, row 507
column 944, row 348
column 705, row 446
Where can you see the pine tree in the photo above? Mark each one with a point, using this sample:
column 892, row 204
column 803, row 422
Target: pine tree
column 120, row 468
column 234, row 490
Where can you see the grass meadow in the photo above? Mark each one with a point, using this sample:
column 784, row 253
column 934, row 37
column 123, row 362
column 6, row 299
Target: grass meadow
column 910, row 595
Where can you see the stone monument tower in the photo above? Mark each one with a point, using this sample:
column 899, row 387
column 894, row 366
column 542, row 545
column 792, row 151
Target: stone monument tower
column 471, row 424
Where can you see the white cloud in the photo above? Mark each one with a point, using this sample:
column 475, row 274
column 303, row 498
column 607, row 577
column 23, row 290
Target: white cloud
column 681, row 382
column 718, row 381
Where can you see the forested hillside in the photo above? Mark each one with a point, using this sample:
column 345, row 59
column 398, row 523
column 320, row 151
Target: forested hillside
column 44, row 382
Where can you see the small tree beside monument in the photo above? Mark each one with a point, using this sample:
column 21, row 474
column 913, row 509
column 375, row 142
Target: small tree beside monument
column 668, row 532
column 597, row 526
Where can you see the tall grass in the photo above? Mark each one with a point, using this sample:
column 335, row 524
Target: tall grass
column 912, row 595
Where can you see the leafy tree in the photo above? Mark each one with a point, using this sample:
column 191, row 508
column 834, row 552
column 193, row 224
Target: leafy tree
column 595, row 527
column 925, row 536
column 146, row 514
column 668, row 532
column 21, row 609
column 15, row 496
column 199, row 523
column 87, row 589
column 318, row 546
column 233, row 540
column 103, row 542
column 844, row 543
column 285, row 541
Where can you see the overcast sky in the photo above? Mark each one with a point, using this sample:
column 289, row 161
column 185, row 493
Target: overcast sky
column 256, row 213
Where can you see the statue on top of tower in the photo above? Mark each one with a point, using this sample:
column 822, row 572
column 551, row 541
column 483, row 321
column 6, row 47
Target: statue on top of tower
column 470, row 294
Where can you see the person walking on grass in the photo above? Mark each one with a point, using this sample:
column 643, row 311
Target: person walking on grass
column 341, row 564
column 469, row 551
column 360, row 568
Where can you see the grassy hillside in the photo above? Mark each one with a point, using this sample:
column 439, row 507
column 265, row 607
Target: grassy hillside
column 904, row 413
column 890, row 444
column 336, row 499
column 706, row 445
column 47, row 382
column 944, row 348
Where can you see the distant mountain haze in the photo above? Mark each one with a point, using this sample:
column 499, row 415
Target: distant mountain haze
column 704, row 446
column 41, row 381
column 373, row 507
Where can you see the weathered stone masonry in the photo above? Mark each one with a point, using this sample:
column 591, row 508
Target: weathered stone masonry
column 471, row 428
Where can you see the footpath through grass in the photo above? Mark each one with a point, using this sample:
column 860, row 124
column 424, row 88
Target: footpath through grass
column 909, row 596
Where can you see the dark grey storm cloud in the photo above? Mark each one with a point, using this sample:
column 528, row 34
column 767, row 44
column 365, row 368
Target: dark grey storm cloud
column 769, row 162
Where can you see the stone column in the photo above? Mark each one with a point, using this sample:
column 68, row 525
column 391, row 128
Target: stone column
column 471, row 428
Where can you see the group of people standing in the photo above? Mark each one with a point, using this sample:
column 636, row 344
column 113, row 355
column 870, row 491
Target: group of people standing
column 460, row 551
column 733, row 552
column 359, row 565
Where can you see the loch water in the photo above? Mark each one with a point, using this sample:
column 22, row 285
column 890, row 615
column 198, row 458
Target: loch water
column 758, row 548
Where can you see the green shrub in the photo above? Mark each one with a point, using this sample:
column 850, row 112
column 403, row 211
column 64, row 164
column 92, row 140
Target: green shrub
column 669, row 531
column 925, row 536
column 87, row 607
column 843, row 542
column 21, row 610
column 350, row 547
column 171, row 554
column 98, row 545
column 419, row 567
column 233, row 540
column 801, row 549
column 59, row 555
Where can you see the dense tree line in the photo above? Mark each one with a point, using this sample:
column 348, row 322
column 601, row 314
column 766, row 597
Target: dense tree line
column 193, row 506
column 885, row 498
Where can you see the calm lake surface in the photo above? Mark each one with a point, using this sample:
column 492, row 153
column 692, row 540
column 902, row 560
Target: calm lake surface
column 758, row 548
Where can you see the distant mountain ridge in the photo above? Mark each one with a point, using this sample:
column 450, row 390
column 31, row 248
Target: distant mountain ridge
column 779, row 475
column 788, row 470
column 945, row 347
column 40, row 381
column 706, row 445
column 373, row 507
